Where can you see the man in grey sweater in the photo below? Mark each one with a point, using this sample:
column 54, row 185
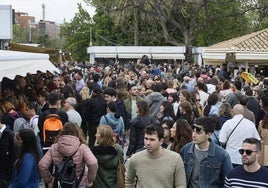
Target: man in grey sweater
column 155, row 166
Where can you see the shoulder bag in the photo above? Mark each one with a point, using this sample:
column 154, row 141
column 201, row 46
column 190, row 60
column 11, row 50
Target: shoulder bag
column 224, row 145
column 120, row 172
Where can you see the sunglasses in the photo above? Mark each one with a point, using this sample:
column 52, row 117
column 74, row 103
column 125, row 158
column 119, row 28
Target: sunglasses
column 198, row 130
column 248, row 151
column 165, row 128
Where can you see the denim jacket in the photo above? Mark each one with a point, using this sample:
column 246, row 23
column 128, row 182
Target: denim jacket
column 213, row 168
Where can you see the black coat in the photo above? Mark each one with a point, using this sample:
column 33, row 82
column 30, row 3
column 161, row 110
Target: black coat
column 136, row 137
column 94, row 109
column 8, row 154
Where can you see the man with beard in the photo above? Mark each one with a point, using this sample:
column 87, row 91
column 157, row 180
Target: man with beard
column 251, row 173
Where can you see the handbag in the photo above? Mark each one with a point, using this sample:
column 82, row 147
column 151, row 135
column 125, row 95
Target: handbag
column 224, row 145
column 120, row 173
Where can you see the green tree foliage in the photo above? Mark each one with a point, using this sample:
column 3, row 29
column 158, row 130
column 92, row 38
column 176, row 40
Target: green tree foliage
column 182, row 22
column 221, row 20
column 262, row 15
column 134, row 26
column 77, row 34
column 21, row 35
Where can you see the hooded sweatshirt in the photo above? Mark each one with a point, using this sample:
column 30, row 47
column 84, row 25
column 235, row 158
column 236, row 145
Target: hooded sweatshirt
column 117, row 124
column 66, row 146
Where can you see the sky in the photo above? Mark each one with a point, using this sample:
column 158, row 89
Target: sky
column 56, row 10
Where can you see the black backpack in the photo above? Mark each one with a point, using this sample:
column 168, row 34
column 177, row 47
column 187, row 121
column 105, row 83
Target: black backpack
column 65, row 174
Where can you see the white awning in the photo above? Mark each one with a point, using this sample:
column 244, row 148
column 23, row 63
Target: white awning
column 168, row 56
column 14, row 63
column 135, row 56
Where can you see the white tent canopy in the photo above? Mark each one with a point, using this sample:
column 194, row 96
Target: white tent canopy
column 154, row 52
column 14, row 63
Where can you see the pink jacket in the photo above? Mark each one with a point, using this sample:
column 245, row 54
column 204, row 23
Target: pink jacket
column 66, row 146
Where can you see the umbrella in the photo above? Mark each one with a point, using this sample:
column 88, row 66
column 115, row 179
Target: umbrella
column 249, row 77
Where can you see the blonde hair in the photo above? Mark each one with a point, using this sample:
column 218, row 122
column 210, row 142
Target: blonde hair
column 106, row 135
column 84, row 93
column 6, row 106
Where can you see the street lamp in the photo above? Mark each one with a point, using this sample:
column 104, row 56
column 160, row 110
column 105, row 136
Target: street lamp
column 31, row 25
column 60, row 54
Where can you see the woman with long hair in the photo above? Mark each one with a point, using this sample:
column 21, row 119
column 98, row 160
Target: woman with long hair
column 225, row 112
column 181, row 132
column 173, row 98
column 186, row 112
column 167, row 125
column 25, row 173
column 9, row 113
column 137, row 125
column 108, row 154
column 70, row 142
column 211, row 108
column 166, row 112
column 185, row 95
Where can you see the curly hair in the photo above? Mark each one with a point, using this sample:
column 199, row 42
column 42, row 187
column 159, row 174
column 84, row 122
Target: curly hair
column 225, row 110
column 143, row 108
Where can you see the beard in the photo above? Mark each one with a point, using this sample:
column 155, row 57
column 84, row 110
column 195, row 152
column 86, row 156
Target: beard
column 247, row 161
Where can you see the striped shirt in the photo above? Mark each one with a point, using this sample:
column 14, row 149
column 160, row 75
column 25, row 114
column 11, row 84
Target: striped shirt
column 239, row 178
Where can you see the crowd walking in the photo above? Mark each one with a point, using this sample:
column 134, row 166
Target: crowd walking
column 169, row 125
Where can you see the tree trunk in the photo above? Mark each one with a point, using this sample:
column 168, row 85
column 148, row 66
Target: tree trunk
column 136, row 26
column 188, row 49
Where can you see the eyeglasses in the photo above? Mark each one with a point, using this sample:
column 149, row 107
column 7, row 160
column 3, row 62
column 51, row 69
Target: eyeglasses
column 248, row 151
column 198, row 130
column 165, row 128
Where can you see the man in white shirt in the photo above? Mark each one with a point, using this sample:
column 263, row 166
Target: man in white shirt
column 235, row 131
column 73, row 115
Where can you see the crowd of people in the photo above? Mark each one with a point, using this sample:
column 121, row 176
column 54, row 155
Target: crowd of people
column 180, row 125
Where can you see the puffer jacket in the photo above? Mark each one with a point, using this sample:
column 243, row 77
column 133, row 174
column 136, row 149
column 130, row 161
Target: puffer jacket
column 66, row 146
column 136, row 137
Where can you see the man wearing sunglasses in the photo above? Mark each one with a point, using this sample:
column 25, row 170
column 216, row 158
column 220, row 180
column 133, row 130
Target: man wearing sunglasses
column 251, row 173
column 206, row 163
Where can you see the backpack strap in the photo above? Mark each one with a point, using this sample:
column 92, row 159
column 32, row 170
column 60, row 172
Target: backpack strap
column 82, row 173
column 80, row 177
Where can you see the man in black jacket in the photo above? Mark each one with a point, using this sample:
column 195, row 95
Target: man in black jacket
column 52, row 101
column 95, row 108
